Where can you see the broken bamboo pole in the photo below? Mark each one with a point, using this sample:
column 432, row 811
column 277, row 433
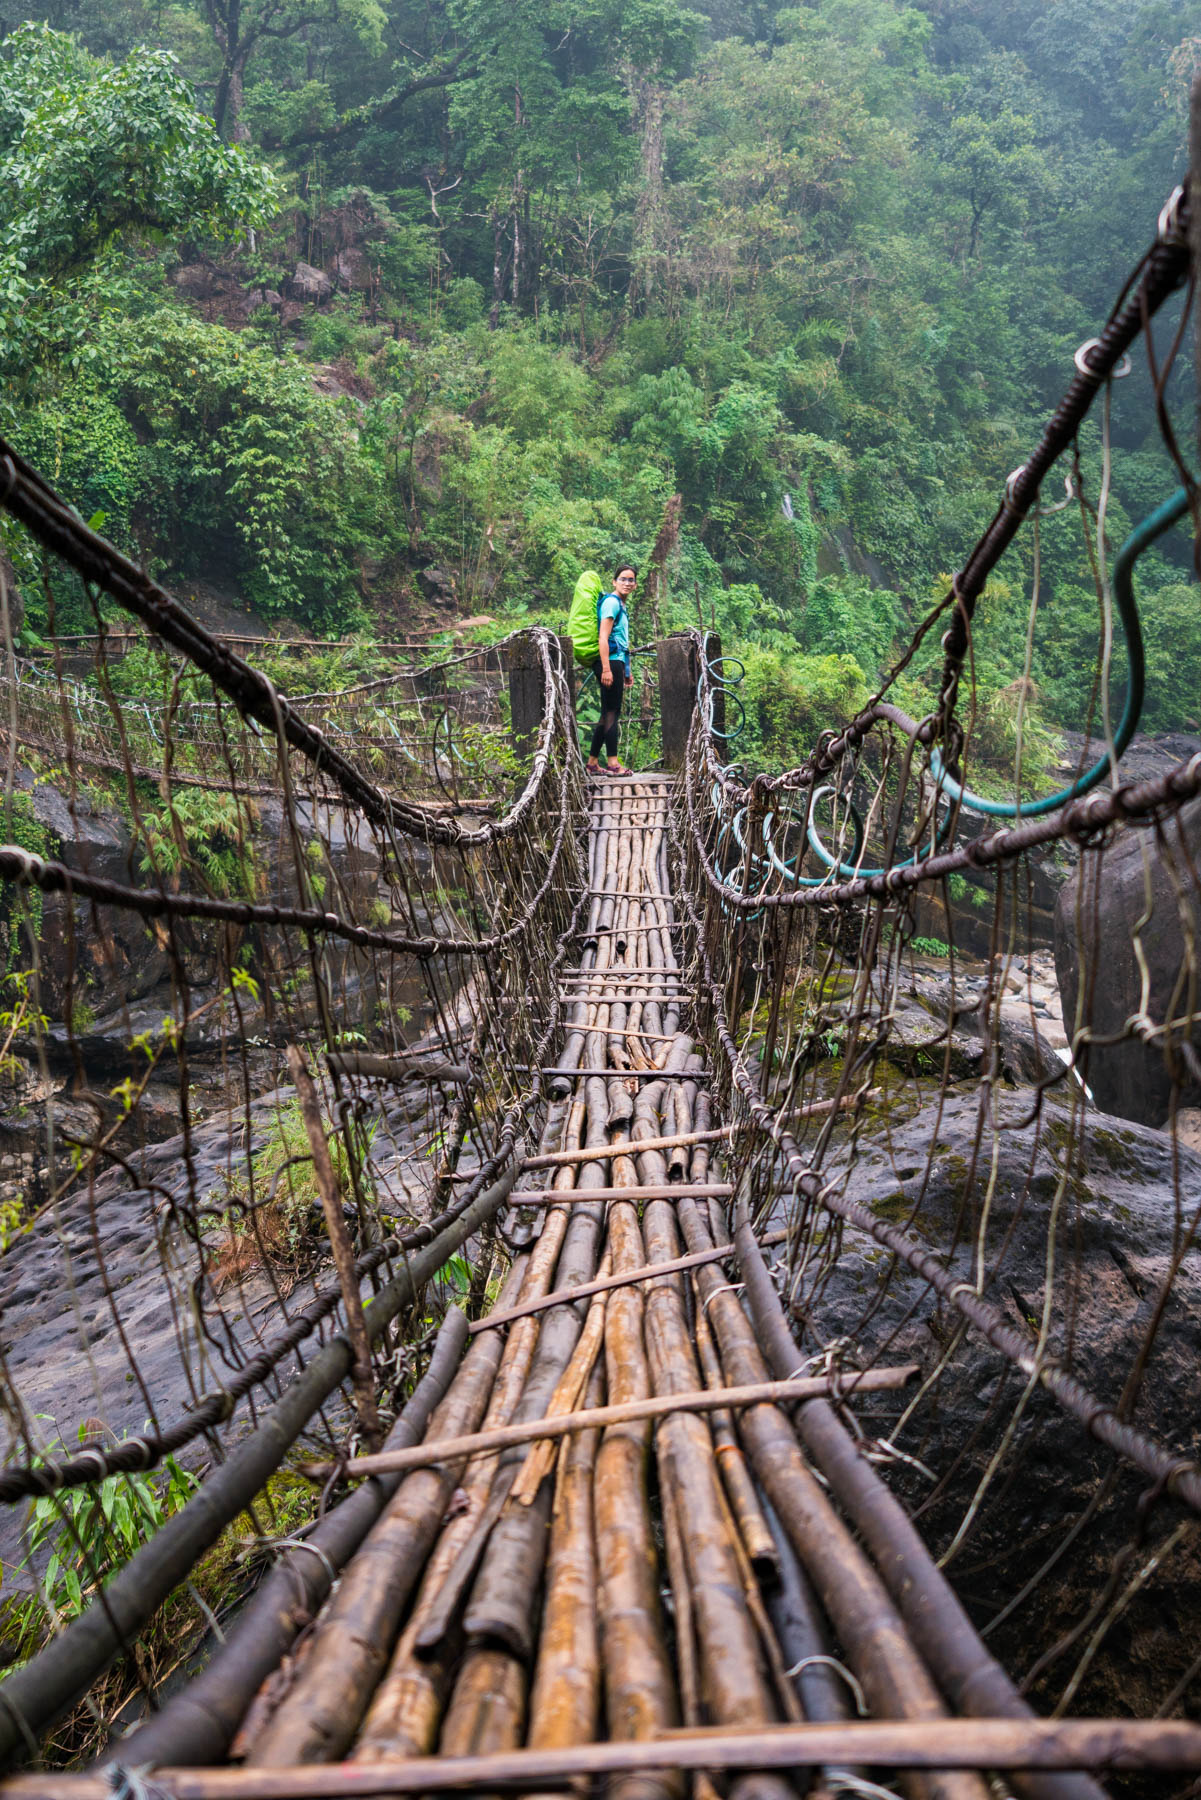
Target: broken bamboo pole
column 198, row 1724
column 317, row 1719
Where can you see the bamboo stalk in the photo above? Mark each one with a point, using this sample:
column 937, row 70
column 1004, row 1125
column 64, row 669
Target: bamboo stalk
column 487, row 1712
column 502, row 1602
column 362, row 1374
column 736, row 1478
column 565, row 1399
column 318, row 1718
column 404, row 1714
column 733, row 1680
column 433, row 1637
column 1154, row 1745
column 685, row 1632
column 198, row 1724
column 970, row 1676
column 565, row 1695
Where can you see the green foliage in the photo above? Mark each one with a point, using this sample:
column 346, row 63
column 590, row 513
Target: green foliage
column 242, row 463
column 201, row 835
column 789, row 701
column 1171, row 620
column 819, row 270
column 924, row 946
column 90, row 153
column 21, row 909
column 90, row 1532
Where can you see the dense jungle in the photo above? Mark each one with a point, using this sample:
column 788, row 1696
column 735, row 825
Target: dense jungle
column 361, row 317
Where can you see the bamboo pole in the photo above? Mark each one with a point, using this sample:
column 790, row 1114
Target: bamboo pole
column 640, row 1693
column 803, row 1387
column 602, row 1152
column 501, row 1606
column 733, row 1680
column 565, row 1694
column 566, row 1398
column 720, row 1190
column 57, row 1676
column 487, row 1712
column 1154, row 1745
column 362, row 1374
column 736, row 1478
column 718, row 1253
column 198, row 1724
column 970, row 1676
column 434, row 1637
column 873, row 1636
column 404, row 1713
column 318, row 1718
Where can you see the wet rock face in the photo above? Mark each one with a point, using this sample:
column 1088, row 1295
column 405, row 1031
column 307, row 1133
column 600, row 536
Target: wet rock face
column 1110, row 1197
column 1097, row 924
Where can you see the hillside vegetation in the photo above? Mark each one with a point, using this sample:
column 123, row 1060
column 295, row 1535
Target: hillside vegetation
column 450, row 299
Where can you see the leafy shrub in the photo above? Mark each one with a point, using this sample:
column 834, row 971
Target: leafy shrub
column 90, row 151
column 789, row 700
column 241, row 455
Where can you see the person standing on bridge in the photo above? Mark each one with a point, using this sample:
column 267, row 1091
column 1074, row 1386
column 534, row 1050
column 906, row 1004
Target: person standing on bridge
column 612, row 669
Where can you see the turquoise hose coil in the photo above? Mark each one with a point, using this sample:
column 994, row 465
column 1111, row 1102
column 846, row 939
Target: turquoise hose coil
column 1140, row 540
column 758, row 866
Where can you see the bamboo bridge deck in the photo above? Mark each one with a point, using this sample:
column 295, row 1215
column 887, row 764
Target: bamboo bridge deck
column 602, row 1546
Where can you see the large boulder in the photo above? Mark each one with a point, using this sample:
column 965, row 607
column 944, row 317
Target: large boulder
column 1105, row 937
column 311, row 284
column 1022, row 1190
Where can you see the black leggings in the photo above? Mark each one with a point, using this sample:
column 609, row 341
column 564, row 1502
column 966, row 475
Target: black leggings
column 605, row 730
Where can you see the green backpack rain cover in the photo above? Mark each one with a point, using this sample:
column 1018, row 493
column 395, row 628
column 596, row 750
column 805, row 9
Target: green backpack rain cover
column 583, row 619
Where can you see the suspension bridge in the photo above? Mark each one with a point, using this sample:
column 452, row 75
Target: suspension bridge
column 783, row 1429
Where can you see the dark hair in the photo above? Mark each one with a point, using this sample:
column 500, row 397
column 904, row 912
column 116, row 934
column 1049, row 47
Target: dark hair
column 623, row 566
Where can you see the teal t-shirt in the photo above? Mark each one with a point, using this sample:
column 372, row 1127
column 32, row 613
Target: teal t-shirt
column 612, row 607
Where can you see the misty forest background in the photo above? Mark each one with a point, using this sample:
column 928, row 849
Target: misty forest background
column 373, row 314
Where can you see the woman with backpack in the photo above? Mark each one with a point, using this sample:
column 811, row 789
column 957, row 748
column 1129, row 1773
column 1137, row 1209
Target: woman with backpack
column 612, row 669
